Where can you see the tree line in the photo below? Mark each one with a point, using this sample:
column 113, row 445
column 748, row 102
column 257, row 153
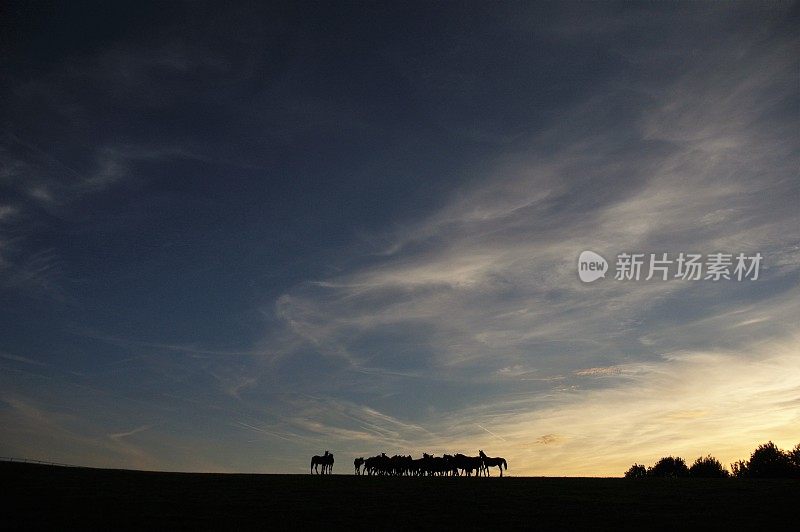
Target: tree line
column 766, row 461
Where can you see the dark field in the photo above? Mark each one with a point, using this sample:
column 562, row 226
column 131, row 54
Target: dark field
column 62, row 498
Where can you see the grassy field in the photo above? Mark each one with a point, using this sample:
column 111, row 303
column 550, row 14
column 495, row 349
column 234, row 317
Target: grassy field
column 59, row 497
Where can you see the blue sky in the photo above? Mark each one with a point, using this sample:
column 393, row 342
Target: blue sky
column 234, row 237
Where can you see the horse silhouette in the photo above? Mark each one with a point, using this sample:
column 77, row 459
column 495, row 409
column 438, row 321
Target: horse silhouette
column 326, row 461
column 498, row 462
column 357, row 463
column 468, row 464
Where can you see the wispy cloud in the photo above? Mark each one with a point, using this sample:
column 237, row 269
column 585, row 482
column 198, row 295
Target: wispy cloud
column 599, row 372
column 125, row 434
column 24, row 360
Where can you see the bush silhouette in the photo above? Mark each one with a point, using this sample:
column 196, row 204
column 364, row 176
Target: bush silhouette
column 708, row 467
column 636, row 471
column 739, row 469
column 767, row 461
column 669, row 466
column 794, row 458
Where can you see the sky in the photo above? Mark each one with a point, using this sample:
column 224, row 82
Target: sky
column 235, row 236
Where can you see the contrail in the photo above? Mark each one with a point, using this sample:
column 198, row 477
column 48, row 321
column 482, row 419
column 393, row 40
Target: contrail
column 490, row 432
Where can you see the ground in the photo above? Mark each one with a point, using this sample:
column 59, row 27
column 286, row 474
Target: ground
column 66, row 498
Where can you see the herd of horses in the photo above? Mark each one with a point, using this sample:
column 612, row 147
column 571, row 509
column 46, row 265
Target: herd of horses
column 446, row 465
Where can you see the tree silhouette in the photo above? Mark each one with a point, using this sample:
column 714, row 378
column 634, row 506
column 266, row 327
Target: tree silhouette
column 636, row 471
column 794, row 458
column 708, row 467
column 739, row 469
column 669, row 466
column 767, row 461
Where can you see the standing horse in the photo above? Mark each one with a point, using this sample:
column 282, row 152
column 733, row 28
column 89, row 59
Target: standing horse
column 357, row 463
column 327, row 467
column 326, row 461
column 497, row 462
column 468, row 464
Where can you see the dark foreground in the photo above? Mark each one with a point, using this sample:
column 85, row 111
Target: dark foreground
column 66, row 498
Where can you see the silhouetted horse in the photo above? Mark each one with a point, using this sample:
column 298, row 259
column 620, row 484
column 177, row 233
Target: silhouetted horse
column 497, row 462
column 468, row 464
column 326, row 461
column 357, row 463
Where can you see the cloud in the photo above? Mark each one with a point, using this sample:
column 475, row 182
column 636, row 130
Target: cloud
column 599, row 372
column 493, row 270
column 721, row 403
column 24, row 360
column 688, row 404
column 125, row 434
column 548, row 439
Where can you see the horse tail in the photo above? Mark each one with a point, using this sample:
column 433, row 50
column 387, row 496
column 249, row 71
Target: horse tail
column 505, row 464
